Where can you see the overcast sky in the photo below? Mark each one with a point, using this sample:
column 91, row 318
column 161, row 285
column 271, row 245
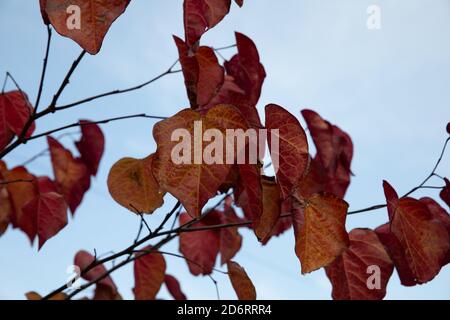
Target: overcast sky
column 387, row 88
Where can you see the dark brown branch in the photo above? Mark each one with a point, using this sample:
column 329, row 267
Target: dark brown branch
column 78, row 124
column 114, row 92
column 44, row 69
column 420, row 186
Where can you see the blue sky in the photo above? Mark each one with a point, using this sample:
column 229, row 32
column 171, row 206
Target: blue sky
column 387, row 88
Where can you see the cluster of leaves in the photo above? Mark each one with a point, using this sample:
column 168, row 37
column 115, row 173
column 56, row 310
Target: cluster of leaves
column 305, row 196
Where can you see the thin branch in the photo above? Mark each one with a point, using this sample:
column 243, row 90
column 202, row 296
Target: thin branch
column 121, row 91
column 78, row 124
column 44, row 69
column 15, row 181
column 420, row 186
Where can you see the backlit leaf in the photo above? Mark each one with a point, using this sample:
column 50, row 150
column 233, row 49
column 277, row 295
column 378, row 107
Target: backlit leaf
column 149, row 272
column 91, row 145
column 292, row 157
column 191, row 179
column 95, row 19
column 242, row 284
column 71, row 174
column 320, row 234
column 363, row 270
column 132, row 184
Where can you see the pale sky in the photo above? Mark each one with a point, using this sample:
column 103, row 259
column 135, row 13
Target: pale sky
column 387, row 88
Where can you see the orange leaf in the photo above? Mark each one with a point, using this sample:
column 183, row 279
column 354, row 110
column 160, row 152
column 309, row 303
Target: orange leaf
column 292, row 157
column 271, row 210
column 149, row 272
column 71, row 174
column 320, row 234
column 350, row 274
column 240, row 281
column 192, row 181
column 21, row 193
column 95, row 19
column 132, row 185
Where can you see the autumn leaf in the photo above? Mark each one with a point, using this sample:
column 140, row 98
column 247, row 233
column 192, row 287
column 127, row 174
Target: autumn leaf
column 248, row 192
column 240, row 281
column 201, row 247
column 320, row 235
column 230, row 239
column 20, row 194
column 6, row 209
column 71, row 174
column 191, row 180
column 292, row 156
column 353, row 275
column 149, row 273
column 174, row 288
column 132, row 184
column 271, row 210
column 47, row 212
column 15, row 111
column 314, row 182
column 246, row 69
column 334, row 152
column 96, row 17
column 83, row 260
column 32, row 296
column 424, row 240
column 106, row 293
column 202, row 73
column 91, row 145
column 445, row 193
column 202, row 15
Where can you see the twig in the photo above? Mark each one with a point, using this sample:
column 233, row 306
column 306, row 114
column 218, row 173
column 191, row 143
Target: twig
column 44, row 69
column 114, row 92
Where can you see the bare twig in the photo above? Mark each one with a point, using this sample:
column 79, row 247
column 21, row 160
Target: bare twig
column 44, row 69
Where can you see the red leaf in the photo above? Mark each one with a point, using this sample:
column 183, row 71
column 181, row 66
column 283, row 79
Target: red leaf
column 240, row 3
column 248, row 192
column 200, row 246
column 334, row 151
column 15, row 111
column 71, row 174
column 240, row 281
column 96, row 17
column 174, row 288
column 271, row 210
column 202, row 15
column 320, row 234
column 424, row 240
column 448, row 128
column 149, row 271
column 246, row 68
column 445, row 193
column 391, row 198
column 292, row 157
column 210, row 75
column 397, row 254
column 84, row 259
column 203, row 75
column 230, row 239
column 42, row 5
column 21, row 193
column 91, row 145
column 350, row 274
column 47, row 212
